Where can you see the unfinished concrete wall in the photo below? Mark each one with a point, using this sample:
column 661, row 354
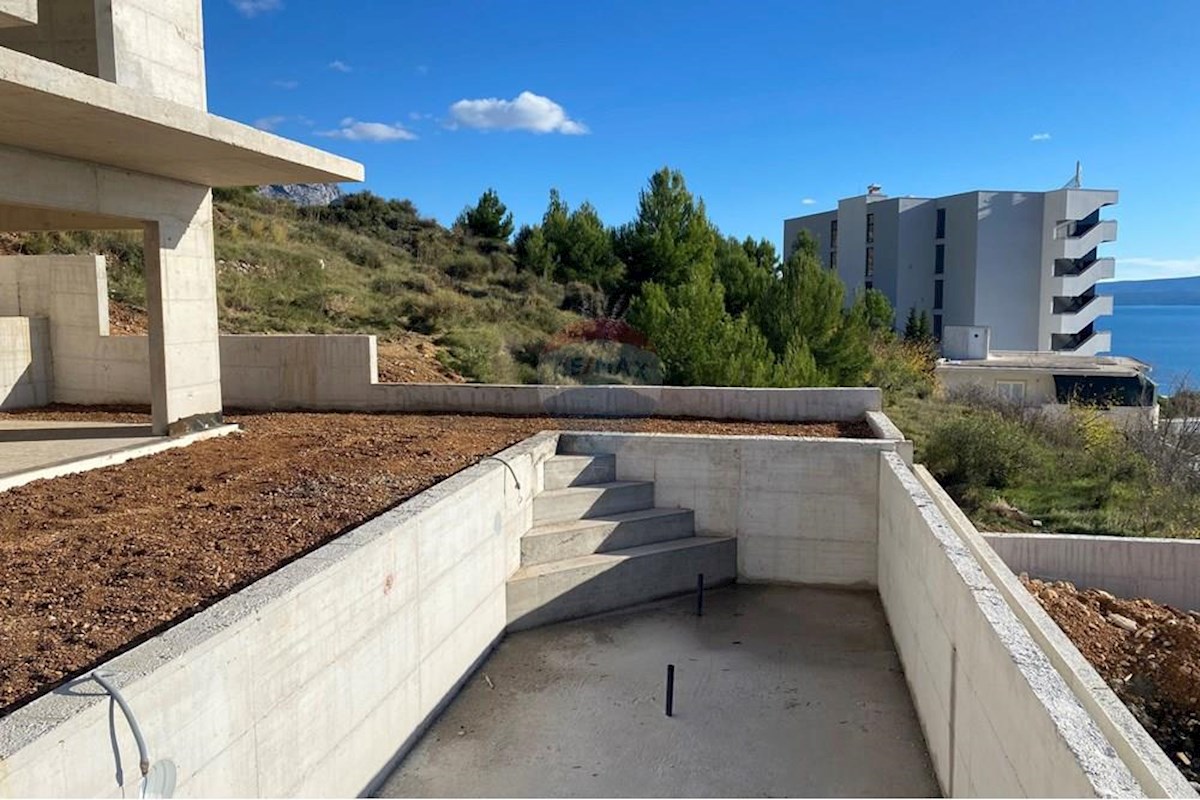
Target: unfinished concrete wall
column 67, row 32
column 176, row 219
column 89, row 366
column 803, row 510
column 25, row 364
column 1164, row 570
column 333, row 372
column 307, row 682
column 998, row 719
column 158, row 48
column 1156, row 773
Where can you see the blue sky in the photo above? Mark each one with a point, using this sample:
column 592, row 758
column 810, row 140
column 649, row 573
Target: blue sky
column 770, row 109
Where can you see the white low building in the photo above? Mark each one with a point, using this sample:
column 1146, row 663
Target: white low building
column 1118, row 385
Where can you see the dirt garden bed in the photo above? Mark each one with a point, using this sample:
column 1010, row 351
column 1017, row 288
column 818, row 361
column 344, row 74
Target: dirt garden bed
column 1147, row 652
column 94, row 563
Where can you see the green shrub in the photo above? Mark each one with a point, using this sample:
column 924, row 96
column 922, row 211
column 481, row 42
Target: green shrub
column 979, row 450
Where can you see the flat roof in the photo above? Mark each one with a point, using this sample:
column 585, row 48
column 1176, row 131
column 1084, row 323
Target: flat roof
column 1051, row 362
column 50, row 109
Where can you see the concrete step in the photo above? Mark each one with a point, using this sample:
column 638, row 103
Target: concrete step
column 581, row 502
column 563, row 471
column 576, row 587
column 604, row 534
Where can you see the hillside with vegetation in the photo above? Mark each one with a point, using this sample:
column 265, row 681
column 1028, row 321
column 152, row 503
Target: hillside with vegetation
column 665, row 297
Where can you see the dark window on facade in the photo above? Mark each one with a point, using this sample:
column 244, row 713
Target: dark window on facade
column 833, row 259
column 870, row 262
column 870, row 228
column 937, row 326
column 870, row 284
column 941, row 223
column 938, row 292
column 939, row 259
column 833, row 235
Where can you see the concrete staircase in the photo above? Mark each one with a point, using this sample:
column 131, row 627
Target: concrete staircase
column 599, row 544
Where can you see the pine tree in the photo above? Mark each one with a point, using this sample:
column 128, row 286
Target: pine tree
column 489, row 219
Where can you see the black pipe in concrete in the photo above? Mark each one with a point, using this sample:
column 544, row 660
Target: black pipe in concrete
column 700, row 595
column 670, row 690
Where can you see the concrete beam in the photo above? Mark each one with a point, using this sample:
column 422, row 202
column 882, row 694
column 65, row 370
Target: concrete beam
column 47, row 108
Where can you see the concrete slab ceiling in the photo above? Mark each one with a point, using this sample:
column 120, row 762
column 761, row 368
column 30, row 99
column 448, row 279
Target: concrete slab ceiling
column 780, row 692
column 50, row 109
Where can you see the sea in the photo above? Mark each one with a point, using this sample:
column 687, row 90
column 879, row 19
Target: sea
column 1166, row 337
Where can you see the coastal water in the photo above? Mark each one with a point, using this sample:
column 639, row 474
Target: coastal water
column 1166, row 337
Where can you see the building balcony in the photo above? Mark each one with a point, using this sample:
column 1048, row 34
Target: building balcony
column 1087, row 342
column 1072, row 314
column 1081, row 275
column 1075, row 240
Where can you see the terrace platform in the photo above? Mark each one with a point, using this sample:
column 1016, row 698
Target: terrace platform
column 33, row 449
column 780, row 691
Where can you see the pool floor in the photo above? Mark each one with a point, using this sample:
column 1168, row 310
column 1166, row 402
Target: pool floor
column 780, row 691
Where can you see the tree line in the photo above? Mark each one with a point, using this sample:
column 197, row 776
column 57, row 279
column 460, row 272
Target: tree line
column 717, row 310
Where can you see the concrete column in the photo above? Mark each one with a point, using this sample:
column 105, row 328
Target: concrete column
column 181, row 296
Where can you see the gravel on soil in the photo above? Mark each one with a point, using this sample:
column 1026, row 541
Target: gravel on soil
column 97, row 562
column 1147, row 652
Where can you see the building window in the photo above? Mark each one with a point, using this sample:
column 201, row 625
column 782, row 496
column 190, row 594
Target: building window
column 870, row 228
column 833, row 234
column 937, row 326
column 833, row 259
column 870, row 285
column 941, row 224
column 939, row 259
column 870, row 271
column 939, row 290
column 1012, row 391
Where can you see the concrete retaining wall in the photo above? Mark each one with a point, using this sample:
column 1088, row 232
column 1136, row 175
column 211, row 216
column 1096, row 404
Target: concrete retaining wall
column 339, row 373
column 1155, row 772
column 25, row 365
column 998, row 719
column 803, row 510
column 307, row 682
column 1164, row 570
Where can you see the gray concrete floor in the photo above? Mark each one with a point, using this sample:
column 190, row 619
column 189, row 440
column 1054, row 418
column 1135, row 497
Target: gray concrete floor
column 27, row 445
column 780, row 691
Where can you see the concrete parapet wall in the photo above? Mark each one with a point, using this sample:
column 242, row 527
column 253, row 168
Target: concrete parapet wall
column 1164, row 570
column 803, row 510
column 307, row 682
column 1155, row 772
column 998, row 718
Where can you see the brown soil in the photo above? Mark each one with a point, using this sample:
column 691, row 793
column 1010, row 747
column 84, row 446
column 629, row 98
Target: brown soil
column 94, row 563
column 1155, row 669
column 126, row 320
column 413, row 359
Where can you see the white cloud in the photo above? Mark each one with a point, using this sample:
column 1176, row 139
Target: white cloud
column 1040, row 137
column 270, row 123
column 288, row 85
column 354, row 131
column 527, row 112
column 1144, row 269
column 808, row 201
column 338, row 65
column 252, row 8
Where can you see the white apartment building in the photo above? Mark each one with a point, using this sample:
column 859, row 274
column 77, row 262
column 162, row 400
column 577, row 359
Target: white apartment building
column 1024, row 264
